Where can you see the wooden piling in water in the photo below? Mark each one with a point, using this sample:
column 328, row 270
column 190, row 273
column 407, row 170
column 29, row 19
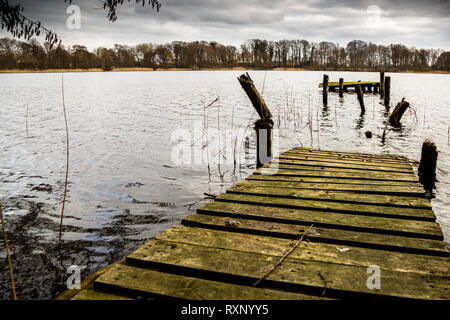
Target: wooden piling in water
column 360, row 95
column 264, row 125
column 341, row 87
column 382, row 84
column 427, row 166
column 325, row 90
column 387, row 91
column 263, row 142
column 399, row 110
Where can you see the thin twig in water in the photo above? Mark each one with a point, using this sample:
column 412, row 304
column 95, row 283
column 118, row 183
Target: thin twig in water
column 67, row 160
column 8, row 253
column 26, row 121
column 283, row 257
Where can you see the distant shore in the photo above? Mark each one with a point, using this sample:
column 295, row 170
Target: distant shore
column 200, row 69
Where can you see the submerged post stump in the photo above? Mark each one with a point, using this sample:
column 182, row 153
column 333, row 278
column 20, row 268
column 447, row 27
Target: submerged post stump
column 341, row 87
column 399, row 110
column 264, row 125
column 387, row 91
column 325, row 90
column 360, row 94
column 263, row 141
column 382, row 84
column 427, row 166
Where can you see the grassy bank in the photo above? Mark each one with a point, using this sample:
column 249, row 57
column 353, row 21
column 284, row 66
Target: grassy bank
column 200, row 69
column 114, row 70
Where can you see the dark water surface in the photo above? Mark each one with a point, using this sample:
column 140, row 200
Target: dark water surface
column 128, row 180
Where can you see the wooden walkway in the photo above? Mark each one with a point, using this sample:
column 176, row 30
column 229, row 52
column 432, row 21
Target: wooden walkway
column 327, row 216
column 366, row 86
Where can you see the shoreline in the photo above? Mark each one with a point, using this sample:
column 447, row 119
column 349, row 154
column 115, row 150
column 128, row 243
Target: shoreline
column 6, row 71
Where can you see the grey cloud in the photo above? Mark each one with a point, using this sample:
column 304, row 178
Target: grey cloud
column 420, row 23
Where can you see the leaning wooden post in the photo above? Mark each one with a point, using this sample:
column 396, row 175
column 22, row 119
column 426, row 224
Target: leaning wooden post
column 341, row 87
column 382, row 84
column 427, row 166
column 325, row 90
column 264, row 125
column 397, row 114
column 387, row 91
column 360, row 94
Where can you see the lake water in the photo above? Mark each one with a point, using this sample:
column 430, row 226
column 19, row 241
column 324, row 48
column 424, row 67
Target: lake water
column 128, row 180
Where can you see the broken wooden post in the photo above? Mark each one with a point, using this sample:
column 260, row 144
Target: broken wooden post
column 264, row 125
column 341, row 87
column 399, row 110
column 427, row 166
column 382, row 84
column 387, row 91
column 325, row 90
column 360, row 94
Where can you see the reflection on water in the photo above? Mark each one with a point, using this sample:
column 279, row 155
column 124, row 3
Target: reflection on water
column 124, row 185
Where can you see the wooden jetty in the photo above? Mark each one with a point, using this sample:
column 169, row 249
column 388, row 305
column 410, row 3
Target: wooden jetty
column 366, row 86
column 310, row 224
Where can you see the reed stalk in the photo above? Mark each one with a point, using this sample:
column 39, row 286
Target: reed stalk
column 67, row 161
column 8, row 253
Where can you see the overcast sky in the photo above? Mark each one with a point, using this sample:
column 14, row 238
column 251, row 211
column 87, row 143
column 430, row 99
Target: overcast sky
column 418, row 23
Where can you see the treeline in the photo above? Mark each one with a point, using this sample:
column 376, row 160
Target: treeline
column 255, row 53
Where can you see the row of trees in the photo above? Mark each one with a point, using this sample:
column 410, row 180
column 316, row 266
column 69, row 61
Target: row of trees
column 255, row 53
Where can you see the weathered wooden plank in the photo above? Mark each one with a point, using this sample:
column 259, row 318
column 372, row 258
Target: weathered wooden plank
column 340, row 207
column 306, row 156
column 263, row 180
column 349, row 155
column 151, row 283
column 271, row 190
column 342, row 172
column 337, row 174
column 342, row 165
column 310, row 277
column 287, row 198
column 325, row 180
column 316, row 251
column 92, row 294
column 350, row 84
column 369, row 157
column 253, row 209
column 334, row 236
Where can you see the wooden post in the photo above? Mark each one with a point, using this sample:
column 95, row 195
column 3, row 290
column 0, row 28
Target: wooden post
column 427, row 166
column 387, row 91
column 382, row 84
column 369, row 88
column 341, row 87
column 360, row 94
column 399, row 110
column 325, row 90
column 264, row 125
column 263, row 142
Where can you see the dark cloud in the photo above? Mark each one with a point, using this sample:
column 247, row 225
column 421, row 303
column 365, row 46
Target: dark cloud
column 419, row 23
